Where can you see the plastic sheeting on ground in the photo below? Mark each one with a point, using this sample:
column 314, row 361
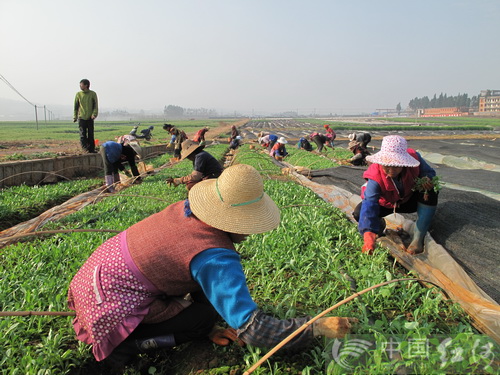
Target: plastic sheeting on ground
column 435, row 264
column 70, row 206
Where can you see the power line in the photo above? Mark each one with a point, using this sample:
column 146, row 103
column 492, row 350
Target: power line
column 34, row 105
column 15, row 90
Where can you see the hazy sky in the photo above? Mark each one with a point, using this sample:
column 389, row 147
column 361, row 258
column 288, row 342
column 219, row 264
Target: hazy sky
column 261, row 55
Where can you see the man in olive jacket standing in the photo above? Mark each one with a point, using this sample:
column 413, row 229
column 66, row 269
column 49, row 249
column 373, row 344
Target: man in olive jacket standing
column 85, row 111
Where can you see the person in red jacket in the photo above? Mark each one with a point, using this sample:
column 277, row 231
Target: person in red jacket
column 199, row 137
column 330, row 134
column 392, row 187
column 279, row 149
column 166, row 280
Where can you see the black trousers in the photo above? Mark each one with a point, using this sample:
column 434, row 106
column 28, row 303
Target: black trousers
column 319, row 143
column 87, row 134
column 192, row 323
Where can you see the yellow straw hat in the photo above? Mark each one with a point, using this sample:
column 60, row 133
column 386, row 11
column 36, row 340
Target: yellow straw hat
column 188, row 147
column 137, row 148
column 235, row 202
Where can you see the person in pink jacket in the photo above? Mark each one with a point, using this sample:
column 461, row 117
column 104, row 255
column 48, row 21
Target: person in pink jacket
column 169, row 278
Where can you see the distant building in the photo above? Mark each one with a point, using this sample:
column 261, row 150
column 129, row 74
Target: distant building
column 489, row 101
column 443, row 112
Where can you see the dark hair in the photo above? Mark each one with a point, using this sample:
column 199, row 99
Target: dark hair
column 167, row 126
column 86, row 82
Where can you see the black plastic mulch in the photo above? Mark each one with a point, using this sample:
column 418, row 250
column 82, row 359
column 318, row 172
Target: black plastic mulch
column 467, row 224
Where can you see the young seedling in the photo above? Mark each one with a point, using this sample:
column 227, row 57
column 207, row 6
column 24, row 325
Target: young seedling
column 421, row 181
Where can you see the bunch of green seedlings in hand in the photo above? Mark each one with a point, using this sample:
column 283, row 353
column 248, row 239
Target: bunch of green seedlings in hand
column 420, row 182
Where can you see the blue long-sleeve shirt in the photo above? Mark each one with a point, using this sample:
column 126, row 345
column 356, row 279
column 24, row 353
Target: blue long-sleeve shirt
column 219, row 273
column 113, row 151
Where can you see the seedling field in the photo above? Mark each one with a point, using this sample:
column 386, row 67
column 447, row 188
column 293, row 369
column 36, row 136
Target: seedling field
column 311, row 262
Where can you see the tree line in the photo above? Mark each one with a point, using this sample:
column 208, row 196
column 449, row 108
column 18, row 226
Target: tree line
column 175, row 111
column 443, row 100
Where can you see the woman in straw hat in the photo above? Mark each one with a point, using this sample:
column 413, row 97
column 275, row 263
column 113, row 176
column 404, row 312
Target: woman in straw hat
column 114, row 154
column 279, row 149
column 391, row 186
column 205, row 166
column 152, row 287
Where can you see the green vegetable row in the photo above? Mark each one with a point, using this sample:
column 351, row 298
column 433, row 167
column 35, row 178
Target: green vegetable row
column 306, row 265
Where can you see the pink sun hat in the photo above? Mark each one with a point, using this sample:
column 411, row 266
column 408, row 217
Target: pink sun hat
column 393, row 153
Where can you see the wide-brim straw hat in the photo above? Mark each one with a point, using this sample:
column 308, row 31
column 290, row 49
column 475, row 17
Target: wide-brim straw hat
column 126, row 139
column 352, row 144
column 137, row 148
column 188, row 147
column 282, row 140
column 394, row 153
column 235, row 202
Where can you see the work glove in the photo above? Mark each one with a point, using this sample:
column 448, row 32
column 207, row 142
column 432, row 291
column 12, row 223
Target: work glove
column 333, row 327
column 369, row 242
column 173, row 181
column 223, row 337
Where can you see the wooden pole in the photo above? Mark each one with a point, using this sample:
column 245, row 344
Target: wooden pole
column 39, row 313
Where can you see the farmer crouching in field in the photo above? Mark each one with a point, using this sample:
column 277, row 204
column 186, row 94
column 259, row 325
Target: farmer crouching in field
column 330, row 134
column 392, row 186
column 131, row 295
column 114, row 154
column 279, row 149
column 360, row 153
column 199, row 137
column 177, row 137
column 268, row 141
column 235, row 143
column 205, row 166
column 304, row 144
column 320, row 139
column 362, row 138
